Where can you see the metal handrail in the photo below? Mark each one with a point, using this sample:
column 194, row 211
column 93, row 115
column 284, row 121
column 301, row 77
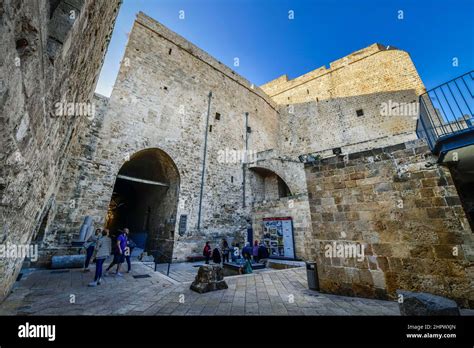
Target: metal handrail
column 154, row 252
column 446, row 110
column 470, row 73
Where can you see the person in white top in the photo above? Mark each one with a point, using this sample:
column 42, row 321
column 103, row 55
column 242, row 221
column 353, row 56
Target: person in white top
column 89, row 245
column 103, row 250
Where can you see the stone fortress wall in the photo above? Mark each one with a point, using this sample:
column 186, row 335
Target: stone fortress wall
column 155, row 126
column 160, row 101
column 319, row 109
column 406, row 214
column 52, row 51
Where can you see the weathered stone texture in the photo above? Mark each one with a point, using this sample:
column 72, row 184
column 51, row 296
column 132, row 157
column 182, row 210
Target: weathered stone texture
column 154, row 127
column 404, row 210
column 40, row 69
column 423, row 304
column 160, row 100
column 319, row 109
column 209, row 278
column 296, row 207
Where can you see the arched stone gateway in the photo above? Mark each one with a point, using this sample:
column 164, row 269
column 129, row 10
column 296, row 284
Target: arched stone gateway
column 272, row 218
column 145, row 199
column 266, row 185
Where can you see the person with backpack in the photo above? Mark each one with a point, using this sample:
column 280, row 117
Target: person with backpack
column 207, row 251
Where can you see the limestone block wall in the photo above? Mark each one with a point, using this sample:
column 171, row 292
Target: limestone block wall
column 296, row 207
column 39, row 68
column 265, row 200
column 271, row 187
column 290, row 169
column 406, row 213
column 320, row 127
column 160, row 100
column 320, row 109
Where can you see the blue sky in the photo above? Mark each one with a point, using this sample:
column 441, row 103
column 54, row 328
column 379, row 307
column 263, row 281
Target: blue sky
column 269, row 44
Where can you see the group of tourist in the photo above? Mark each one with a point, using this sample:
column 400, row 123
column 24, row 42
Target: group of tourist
column 243, row 257
column 100, row 245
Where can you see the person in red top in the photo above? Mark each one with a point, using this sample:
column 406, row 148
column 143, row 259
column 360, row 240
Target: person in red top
column 207, row 251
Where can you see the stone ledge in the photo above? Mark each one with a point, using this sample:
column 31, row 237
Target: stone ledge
column 415, row 147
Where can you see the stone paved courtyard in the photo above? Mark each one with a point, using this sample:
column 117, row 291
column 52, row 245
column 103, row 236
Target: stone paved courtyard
column 271, row 292
column 185, row 271
column 274, row 292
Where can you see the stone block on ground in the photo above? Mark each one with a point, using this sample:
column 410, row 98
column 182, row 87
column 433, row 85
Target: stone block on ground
column 136, row 252
column 144, row 257
column 421, row 303
column 68, row 261
column 209, row 278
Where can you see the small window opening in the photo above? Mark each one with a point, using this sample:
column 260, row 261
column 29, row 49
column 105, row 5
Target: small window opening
column 22, row 43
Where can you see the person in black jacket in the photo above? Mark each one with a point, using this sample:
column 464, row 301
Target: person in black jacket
column 216, row 256
column 262, row 251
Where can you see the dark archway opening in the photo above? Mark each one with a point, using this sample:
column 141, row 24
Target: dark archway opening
column 145, row 199
column 266, row 185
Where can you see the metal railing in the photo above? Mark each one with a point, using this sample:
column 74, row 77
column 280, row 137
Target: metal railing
column 447, row 111
column 156, row 253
